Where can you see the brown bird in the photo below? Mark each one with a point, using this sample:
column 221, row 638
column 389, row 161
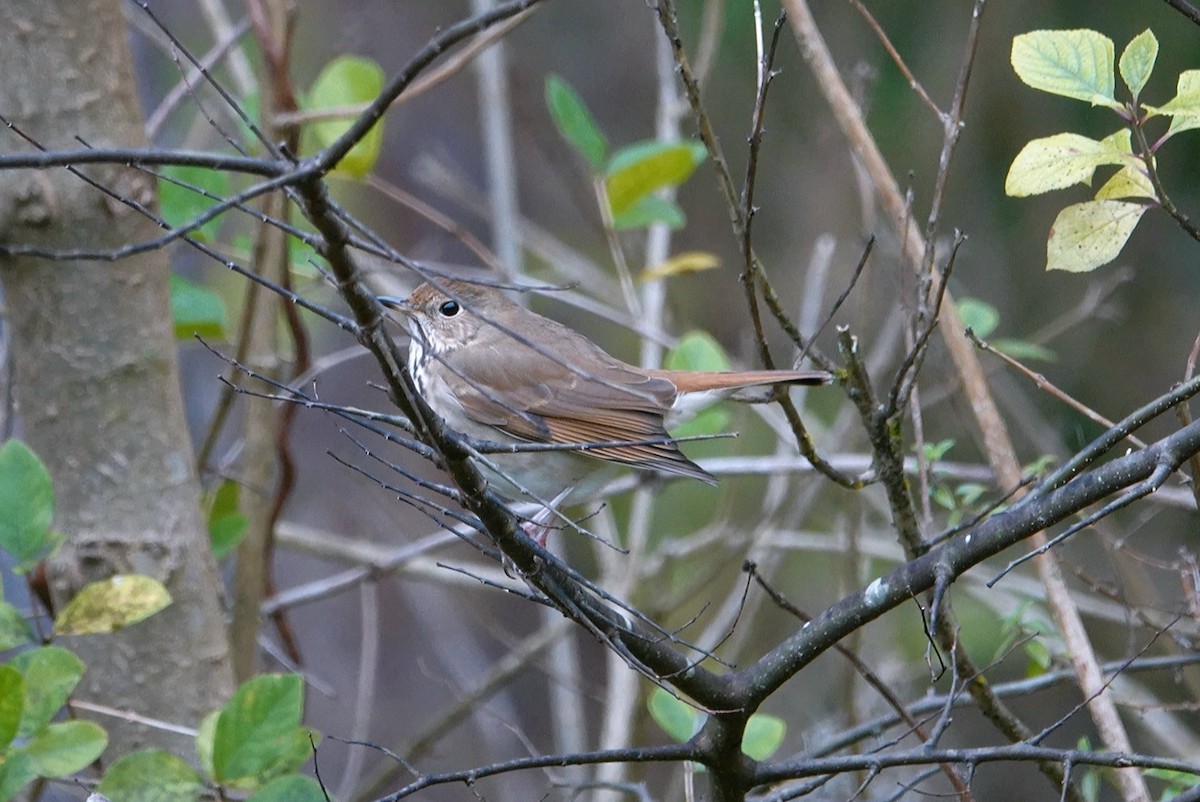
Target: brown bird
column 496, row 371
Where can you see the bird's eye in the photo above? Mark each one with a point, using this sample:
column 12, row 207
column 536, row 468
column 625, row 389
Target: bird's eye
column 449, row 308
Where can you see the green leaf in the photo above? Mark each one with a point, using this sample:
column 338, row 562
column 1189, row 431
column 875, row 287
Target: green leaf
column 196, row 309
column 969, row 493
column 943, row 497
column 1184, row 108
column 12, row 701
column 51, row 673
column 1128, row 182
column 14, row 629
column 204, row 742
column 1087, row 235
column 681, row 264
column 1058, row 161
column 574, row 121
column 26, row 506
column 258, row 729
column 1177, row 781
column 698, row 350
column 1137, row 61
column 1039, row 655
column 763, row 736
column 1076, row 64
column 16, row 772
column 111, row 604
column 978, row 316
column 191, row 192
column 151, row 775
column 935, row 451
column 648, row 211
column 637, row 170
column 226, row 524
column 677, row 718
column 348, row 81
column 1024, row 350
column 292, row 788
column 66, row 747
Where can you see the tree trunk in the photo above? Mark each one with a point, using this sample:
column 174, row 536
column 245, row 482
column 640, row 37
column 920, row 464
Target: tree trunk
column 96, row 380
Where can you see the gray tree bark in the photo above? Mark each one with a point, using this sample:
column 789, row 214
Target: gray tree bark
column 96, row 380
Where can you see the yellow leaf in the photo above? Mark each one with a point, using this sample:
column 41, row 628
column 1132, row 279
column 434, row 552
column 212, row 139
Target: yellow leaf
column 112, row 604
column 1077, row 64
column 1127, row 182
column 681, row 263
column 1058, row 161
column 1087, row 235
column 1184, row 108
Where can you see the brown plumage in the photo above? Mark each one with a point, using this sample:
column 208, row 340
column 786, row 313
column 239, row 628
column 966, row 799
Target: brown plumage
column 496, row 371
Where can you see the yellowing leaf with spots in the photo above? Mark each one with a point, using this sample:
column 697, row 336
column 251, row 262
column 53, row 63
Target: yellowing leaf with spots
column 1058, row 161
column 1088, row 235
column 1127, row 182
column 1184, row 108
column 112, row 604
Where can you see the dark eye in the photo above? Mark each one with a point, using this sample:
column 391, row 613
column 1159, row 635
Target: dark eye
column 449, row 308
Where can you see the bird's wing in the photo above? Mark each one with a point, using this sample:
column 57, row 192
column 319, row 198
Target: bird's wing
column 612, row 403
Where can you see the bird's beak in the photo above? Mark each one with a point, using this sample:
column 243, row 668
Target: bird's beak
column 394, row 302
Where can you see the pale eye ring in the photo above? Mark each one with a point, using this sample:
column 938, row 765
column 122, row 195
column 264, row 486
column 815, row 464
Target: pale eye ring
column 449, row 308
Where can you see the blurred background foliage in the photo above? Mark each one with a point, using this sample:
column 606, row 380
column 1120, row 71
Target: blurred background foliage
column 441, row 633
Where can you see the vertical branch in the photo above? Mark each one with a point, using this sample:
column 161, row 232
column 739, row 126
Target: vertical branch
column 491, row 70
column 997, row 442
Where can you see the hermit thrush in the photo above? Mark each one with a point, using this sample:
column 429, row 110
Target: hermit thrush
column 497, row 372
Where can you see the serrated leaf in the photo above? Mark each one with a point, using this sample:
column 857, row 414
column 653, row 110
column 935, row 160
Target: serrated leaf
column 111, row 604
column 637, row 170
column 12, row 701
column 26, row 506
column 1128, row 182
column 1076, row 64
column 50, row 673
column 648, row 211
column 226, row 524
column 195, row 309
column 151, row 775
column 1137, row 61
column 573, row 120
column 14, row 629
column 1024, row 350
column 978, row 316
column 292, row 788
column 1184, row 108
column 16, row 772
column 189, row 193
column 763, row 736
column 679, row 720
column 66, row 747
column 1058, row 161
column 681, row 264
column 256, row 727
column 1087, row 235
column 347, row 81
